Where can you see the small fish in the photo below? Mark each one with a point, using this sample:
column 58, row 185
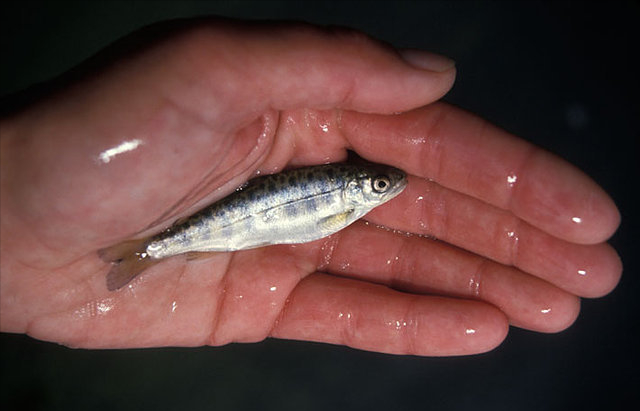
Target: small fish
column 294, row 206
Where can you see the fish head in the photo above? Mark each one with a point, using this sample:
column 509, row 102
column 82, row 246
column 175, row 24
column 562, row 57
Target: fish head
column 375, row 185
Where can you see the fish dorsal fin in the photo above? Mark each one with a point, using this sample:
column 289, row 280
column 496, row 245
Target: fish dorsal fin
column 180, row 221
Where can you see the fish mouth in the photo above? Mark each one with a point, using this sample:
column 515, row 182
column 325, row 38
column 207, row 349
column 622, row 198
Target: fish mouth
column 398, row 188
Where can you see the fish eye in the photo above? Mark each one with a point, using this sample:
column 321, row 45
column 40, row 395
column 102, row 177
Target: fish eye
column 381, row 184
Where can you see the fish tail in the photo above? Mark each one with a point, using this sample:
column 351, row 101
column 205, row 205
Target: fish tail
column 128, row 259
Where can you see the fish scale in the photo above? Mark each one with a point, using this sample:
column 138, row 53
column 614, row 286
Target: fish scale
column 294, row 206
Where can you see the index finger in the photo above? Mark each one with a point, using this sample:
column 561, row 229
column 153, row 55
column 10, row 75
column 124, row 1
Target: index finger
column 467, row 154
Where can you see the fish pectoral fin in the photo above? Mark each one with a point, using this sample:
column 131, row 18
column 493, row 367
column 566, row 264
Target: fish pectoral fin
column 336, row 221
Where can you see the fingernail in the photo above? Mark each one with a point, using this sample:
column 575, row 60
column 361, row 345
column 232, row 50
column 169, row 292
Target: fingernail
column 425, row 60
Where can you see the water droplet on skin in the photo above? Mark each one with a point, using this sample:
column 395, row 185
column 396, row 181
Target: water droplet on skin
column 400, row 324
column 131, row 289
column 104, row 306
column 417, row 140
column 174, row 305
column 95, row 308
column 545, row 310
column 512, row 237
column 273, row 288
column 109, row 154
column 511, row 180
column 394, row 324
column 342, row 315
column 324, row 128
column 469, row 331
column 576, row 220
column 327, row 253
column 582, row 272
column 474, row 287
column 83, row 311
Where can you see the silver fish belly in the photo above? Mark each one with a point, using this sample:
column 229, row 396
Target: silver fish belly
column 294, row 206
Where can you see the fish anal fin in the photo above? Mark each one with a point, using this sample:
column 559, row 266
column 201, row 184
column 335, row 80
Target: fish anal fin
column 335, row 222
column 117, row 252
column 199, row 255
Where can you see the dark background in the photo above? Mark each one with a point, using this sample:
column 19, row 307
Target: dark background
column 558, row 74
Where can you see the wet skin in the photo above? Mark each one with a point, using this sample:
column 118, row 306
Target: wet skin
column 521, row 232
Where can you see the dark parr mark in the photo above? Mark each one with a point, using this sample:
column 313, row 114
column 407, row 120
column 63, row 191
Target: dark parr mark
column 331, row 174
column 291, row 210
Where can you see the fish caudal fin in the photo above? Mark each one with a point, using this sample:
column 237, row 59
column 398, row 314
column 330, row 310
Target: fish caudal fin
column 128, row 259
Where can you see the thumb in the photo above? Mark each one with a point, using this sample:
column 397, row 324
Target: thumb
column 289, row 66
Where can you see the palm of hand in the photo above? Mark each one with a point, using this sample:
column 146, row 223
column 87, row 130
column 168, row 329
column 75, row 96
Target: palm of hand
column 201, row 129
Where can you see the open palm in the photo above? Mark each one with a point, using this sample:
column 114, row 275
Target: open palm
column 167, row 129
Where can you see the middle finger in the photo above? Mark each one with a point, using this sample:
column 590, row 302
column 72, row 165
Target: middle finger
column 426, row 266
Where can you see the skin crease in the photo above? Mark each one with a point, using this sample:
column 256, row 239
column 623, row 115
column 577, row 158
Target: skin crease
column 222, row 101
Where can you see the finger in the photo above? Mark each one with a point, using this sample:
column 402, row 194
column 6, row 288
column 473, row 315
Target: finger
column 287, row 66
column 465, row 153
column 425, row 266
column 425, row 207
column 373, row 317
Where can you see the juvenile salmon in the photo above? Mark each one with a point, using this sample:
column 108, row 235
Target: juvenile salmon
column 294, row 206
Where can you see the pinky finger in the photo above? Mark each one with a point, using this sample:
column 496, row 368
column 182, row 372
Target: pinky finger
column 376, row 318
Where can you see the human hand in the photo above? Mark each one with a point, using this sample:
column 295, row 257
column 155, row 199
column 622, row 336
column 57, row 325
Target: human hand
column 520, row 232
